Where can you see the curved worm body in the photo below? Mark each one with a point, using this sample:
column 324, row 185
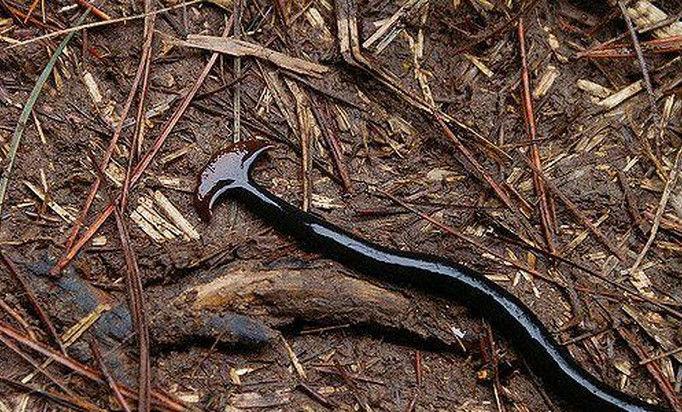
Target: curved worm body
column 228, row 174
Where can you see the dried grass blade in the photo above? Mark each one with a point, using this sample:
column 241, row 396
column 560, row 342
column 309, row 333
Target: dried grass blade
column 26, row 112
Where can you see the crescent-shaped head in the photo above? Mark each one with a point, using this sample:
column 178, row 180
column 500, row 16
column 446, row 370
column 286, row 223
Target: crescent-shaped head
column 229, row 169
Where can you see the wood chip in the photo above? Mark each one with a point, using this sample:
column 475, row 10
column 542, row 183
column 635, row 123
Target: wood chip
column 546, row 81
column 54, row 206
column 622, row 95
column 315, row 19
column 116, row 173
column 105, row 108
column 325, row 202
column 172, row 213
column 99, row 241
column 152, row 223
column 479, row 64
column 181, row 184
column 175, row 154
column 645, row 14
column 641, row 282
column 595, row 89
column 294, row 359
column 93, row 88
column 251, row 400
column 389, row 28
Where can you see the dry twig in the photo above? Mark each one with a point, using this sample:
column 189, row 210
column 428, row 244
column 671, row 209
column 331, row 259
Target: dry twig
column 669, row 186
column 142, row 165
column 545, row 202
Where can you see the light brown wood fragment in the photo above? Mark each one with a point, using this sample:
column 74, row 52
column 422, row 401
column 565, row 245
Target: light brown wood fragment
column 622, row 95
column 316, row 20
column 181, row 184
column 546, row 81
column 176, row 154
column 116, row 173
column 479, row 64
column 172, row 213
column 645, row 14
column 390, row 28
column 93, row 88
column 152, row 223
column 595, row 89
column 242, row 48
column 54, row 206
column 251, row 400
column 294, row 359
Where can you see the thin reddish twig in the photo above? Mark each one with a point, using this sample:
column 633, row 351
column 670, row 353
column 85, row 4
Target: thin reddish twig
column 568, row 203
column 33, row 362
column 14, row 315
column 44, row 317
column 474, row 167
column 30, row 10
column 68, row 401
column 529, row 117
column 136, row 146
column 478, row 168
column 136, row 301
column 94, row 10
column 97, row 354
column 20, row 15
column 141, row 165
column 660, row 379
column 137, row 309
column 80, row 220
column 161, row 400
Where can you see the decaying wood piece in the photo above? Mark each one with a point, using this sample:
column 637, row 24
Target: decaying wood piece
column 71, row 298
column 243, row 307
column 321, row 295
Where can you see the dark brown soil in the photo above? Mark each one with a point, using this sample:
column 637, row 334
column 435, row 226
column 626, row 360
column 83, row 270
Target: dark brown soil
column 356, row 343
